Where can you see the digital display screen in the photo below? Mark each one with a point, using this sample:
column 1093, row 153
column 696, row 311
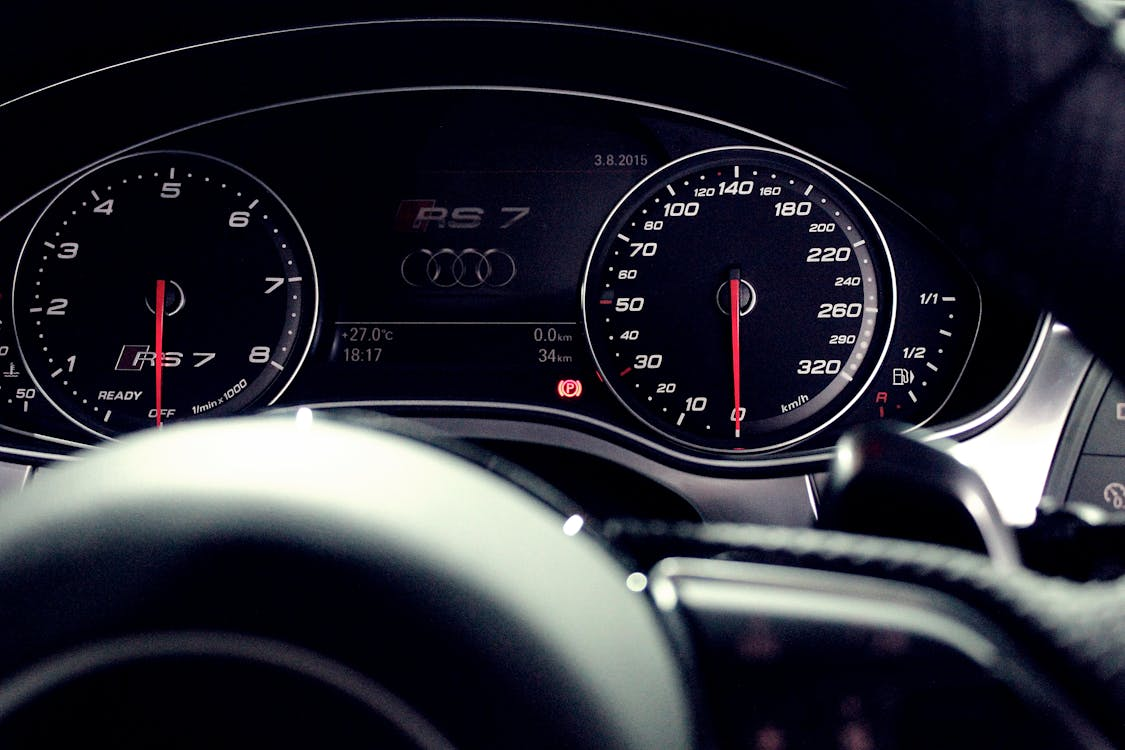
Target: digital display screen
column 474, row 254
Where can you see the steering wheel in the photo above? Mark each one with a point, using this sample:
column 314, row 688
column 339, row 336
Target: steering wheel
column 322, row 582
column 373, row 553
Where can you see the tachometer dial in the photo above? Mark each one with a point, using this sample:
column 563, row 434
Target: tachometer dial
column 162, row 286
column 739, row 299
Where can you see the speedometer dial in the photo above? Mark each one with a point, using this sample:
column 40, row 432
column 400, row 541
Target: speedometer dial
column 163, row 286
column 739, row 299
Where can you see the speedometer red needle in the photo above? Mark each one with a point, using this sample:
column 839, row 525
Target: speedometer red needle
column 159, row 349
column 736, row 357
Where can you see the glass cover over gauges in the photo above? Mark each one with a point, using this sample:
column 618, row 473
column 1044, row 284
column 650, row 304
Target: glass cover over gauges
column 163, row 286
column 739, row 299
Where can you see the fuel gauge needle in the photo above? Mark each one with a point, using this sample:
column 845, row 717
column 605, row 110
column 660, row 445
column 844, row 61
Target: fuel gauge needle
column 159, row 362
column 736, row 356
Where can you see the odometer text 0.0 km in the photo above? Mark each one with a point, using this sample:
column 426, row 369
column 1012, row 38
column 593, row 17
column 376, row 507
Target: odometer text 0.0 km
column 739, row 299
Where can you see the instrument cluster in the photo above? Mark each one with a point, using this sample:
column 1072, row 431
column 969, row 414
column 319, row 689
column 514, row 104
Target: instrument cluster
column 689, row 290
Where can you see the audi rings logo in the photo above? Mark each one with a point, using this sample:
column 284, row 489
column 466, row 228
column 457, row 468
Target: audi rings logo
column 467, row 269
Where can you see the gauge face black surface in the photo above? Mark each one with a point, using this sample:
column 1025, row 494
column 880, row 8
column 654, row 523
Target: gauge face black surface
column 168, row 258
column 739, row 299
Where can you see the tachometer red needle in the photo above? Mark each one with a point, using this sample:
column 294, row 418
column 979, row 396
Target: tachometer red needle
column 736, row 357
column 159, row 305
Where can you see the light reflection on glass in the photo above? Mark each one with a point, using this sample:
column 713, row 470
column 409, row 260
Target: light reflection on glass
column 573, row 525
column 637, row 582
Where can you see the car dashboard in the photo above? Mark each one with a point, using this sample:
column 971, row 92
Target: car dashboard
column 451, row 239
column 590, row 252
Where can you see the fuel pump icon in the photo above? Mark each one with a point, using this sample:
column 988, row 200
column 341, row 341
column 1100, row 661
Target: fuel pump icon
column 902, row 376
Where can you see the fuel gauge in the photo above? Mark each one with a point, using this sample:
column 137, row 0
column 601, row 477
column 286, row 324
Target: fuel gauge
column 928, row 354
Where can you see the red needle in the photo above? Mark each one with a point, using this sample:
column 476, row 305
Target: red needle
column 735, row 310
column 159, row 350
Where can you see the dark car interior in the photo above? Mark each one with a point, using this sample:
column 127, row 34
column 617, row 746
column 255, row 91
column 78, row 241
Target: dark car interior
column 715, row 376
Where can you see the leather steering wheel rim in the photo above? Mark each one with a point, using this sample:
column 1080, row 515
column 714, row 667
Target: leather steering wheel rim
column 456, row 590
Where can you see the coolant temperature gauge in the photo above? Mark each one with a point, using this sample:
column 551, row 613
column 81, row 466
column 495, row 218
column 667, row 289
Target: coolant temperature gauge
column 20, row 402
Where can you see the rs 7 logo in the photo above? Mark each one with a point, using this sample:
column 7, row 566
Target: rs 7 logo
column 134, row 358
column 418, row 215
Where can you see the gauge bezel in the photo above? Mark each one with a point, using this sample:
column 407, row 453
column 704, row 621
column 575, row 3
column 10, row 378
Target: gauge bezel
column 700, row 160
